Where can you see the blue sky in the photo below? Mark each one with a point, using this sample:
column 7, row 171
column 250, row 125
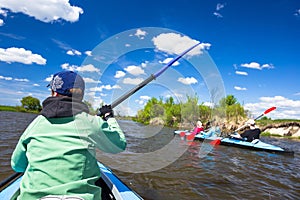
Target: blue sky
column 249, row 49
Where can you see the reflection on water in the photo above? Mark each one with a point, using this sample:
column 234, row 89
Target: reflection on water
column 224, row 173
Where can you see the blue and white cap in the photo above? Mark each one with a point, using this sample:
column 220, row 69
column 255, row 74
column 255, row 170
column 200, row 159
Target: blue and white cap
column 63, row 81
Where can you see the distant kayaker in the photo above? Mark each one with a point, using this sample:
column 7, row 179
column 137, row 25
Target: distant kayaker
column 250, row 134
column 198, row 129
column 57, row 150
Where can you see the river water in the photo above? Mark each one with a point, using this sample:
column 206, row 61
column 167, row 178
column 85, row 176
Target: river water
column 224, row 173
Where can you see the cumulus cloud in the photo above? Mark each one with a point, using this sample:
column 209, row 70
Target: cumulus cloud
column 90, row 80
column 84, row 68
column 88, row 53
column 44, row 10
column 3, row 12
column 218, row 8
column 255, row 65
column 20, row 55
column 106, row 87
column 134, row 70
column 1, row 22
column 167, row 60
column 132, row 81
column 73, row 52
column 7, row 78
column 21, row 79
column 241, row 73
column 187, row 80
column 217, row 15
column 286, row 108
column 142, row 100
column 140, row 33
column 239, row 88
column 119, row 74
column 174, row 43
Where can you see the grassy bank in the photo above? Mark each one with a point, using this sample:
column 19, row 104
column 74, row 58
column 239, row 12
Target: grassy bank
column 16, row 109
column 267, row 134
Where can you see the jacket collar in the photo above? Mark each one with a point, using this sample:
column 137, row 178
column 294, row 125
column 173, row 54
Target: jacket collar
column 56, row 107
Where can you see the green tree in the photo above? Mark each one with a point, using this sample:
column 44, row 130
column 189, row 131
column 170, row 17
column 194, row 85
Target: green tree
column 233, row 109
column 190, row 110
column 31, row 103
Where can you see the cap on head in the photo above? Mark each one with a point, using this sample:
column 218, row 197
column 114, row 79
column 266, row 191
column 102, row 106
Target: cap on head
column 199, row 123
column 63, row 81
column 251, row 122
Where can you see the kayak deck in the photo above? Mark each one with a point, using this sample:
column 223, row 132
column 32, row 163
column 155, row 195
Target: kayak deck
column 112, row 187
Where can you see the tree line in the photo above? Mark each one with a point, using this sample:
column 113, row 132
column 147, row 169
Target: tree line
column 175, row 114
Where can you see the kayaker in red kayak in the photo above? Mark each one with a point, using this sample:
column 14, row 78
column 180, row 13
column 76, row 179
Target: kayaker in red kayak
column 198, row 129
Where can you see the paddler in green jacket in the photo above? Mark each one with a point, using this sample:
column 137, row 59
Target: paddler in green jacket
column 56, row 152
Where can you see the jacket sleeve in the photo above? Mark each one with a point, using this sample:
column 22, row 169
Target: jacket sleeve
column 19, row 160
column 111, row 138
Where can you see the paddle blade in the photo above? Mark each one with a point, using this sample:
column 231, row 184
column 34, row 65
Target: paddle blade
column 215, row 142
column 190, row 137
column 269, row 110
column 182, row 134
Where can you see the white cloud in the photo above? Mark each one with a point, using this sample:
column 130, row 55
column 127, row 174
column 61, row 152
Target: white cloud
column 21, row 79
column 106, row 87
column 44, row 10
column 15, row 79
column 140, row 33
column 297, row 13
column 218, row 14
column 255, row 65
column 1, row 22
column 220, row 6
column 3, row 12
column 90, row 80
column 84, row 68
column 174, row 43
column 132, row 81
column 6, row 78
column 14, row 54
column 241, row 73
column 73, row 52
column 239, row 88
column 187, row 80
column 119, row 74
column 145, row 97
column 286, row 108
column 142, row 100
column 134, row 70
column 88, row 68
column 167, row 60
column 48, row 79
column 88, row 53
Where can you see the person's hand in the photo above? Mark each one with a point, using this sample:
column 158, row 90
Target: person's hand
column 106, row 112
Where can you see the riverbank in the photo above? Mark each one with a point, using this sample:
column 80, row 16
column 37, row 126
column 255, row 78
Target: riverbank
column 16, row 109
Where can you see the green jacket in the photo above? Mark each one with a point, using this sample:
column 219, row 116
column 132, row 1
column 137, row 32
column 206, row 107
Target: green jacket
column 57, row 155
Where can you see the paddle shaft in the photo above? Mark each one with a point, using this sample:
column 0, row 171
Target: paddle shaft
column 150, row 78
column 266, row 112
